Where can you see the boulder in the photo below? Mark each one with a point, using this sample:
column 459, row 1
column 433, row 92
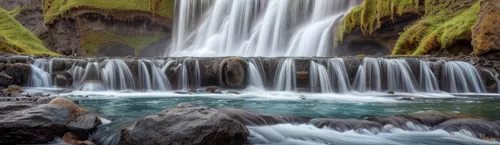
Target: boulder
column 250, row 118
column 232, row 73
column 345, row 124
column 5, row 80
column 20, row 73
column 185, row 126
column 40, row 123
column 63, row 79
column 13, row 90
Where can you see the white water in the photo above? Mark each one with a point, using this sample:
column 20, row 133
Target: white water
column 288, row 134
column 461, row 77
column 254, row 77
column 144, row 77
column 286, row 77
column 384, row 75
column 255, row 27
column 117, row 76
column 319, row 81
column 338, row 75
column 38, row 76
column 428, row 81
column 183, row 81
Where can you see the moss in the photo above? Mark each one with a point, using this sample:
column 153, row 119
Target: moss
column 54, row 9
column 444, row 22
column 15, row 39
column 93, row 41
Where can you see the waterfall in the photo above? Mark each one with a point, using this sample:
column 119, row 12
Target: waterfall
column 255, row 27
column 338, row 75
column 254, row 78
column 117, row 76
column 197, row 74
column 91, row 85
column 38, row 76
column 319, row 79
column 144, row 79
column 461, row 77
column 285, row 78
column 77, row 73
column 384, row 74
column 183, row 81
column 428, row 81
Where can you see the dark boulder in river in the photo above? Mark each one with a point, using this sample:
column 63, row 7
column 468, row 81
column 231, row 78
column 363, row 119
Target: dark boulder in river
column 185, row 126
column 36, row 123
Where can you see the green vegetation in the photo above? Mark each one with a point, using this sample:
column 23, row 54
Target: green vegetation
column 15, row 39
column 93, row 41
column 59, row 8
column 442, row 22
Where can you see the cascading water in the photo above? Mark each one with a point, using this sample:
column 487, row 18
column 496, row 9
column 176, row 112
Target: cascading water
column 338, row 75
column 183, row 81
column 319, row 79
column 461, row 77
column 254, row 78
column 255, row 27
column 39, row 77
column 427, row 81
column 144, row 79
column 384, row 74
column 285, row 78
column 117, row 76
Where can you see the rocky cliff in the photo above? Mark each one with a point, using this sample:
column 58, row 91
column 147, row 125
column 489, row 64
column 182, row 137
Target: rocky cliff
column 420, row 27
column 95, row 27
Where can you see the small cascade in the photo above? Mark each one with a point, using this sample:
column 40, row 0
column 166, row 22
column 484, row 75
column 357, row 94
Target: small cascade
column 285, row 78
column 319, row 80
column 77, row 73
column 117, row 76
column 197, row 74
column 461, row 77
column 39, row 77
column 159, row 80
column 91, row 86
column 338, row 76
column 92, row 72
column 427, row 81
column 144, row 79
column 368, row 76
column 183, row 81
column 384, row 74
column 254, row 78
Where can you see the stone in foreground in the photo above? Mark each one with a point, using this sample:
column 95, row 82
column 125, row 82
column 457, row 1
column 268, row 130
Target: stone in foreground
column 34, row 123
column 185, row 126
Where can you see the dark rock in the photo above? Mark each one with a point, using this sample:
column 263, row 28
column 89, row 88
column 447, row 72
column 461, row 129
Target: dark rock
column 232, row 73
column 63, row 79
column 185, row 126
column 5, row 80
column 20, row 72
column 345, row 124
column 73, row 139
column 250, row 118
column 391, row 92
column 42, row 123
column 213, row 90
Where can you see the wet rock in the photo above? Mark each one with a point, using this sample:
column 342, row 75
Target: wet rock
column 63, row 79
column 345, row 124
column 232, row 73
column 480, row 128
column 390, row 92
column 250, row 118
column 213, row 90
column 5, row 80
column 422, row 118
column 13, row 90
column 33, row 123
column 73, row 139
column 20, row 73
column 185, row 126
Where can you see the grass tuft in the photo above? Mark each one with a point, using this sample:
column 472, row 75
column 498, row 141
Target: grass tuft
column 16, row 39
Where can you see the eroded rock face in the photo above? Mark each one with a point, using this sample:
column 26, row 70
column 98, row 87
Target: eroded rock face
column 19, row 71
column 31, row 14
column 185, row 126
column 232, row 73
column 34, row 123
column 486, row 33
column 63, row 79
